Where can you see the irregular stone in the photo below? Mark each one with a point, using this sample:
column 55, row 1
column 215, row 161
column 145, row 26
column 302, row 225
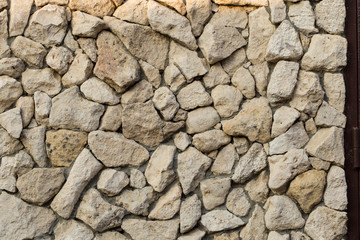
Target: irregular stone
column 151, row 73
column 136, row 201
column 99, row 8
column 299, row 236
column 284, row 44
column 308, row 94
column 168, row 204
column 40, row 3
column 70, row 42
column 242, row 2
column 165, row 101
column 220, row 220
column 210, row 140
column 234, row 62
column 260, row 72
column 187, row 61
column 72, row 230
column 230, row 16
column 3, row 4
column 31, row 52
column 45, row 80
column 12, row 122
column 141, row 41
column 115, row 65
column 39, row 185
column 295, row 137
column 216, row 76
column 261, row 29
column 59, row 59
column 177, row 5
column 13, row 67
column 114, row 150
column 244, row 81
column 181, row 115
column 328, row 144
column 138, row 93
column 97, row 213
column 278, row 10
column 214, row 191
column 20, row 220
column 84, row 169
column 110, row 235
column 330, row 16
column 258, row 188
column 111, row 120
column 47, row 30
column 255, row 228
column 193, row 96
column 241, row 144
column 282, row 214
column 325, row 223
column 226, row 99
column 79, row 71
column 170, row 23
column 140, row 229
column 34, row 141
column 96, row 90
column 198, row 13
column 238, row 203
column 88, row 45
column 253, row 121
column 42, row 107
column 201, row 119
column 137, row 179
column 196, row 234
column 323, row 55
column 335, row 196
column 4, row 47
column 112, row 182
column 278, row 236
column 19, row 15
column 10, row 90
column 319, row 164
column 283, row 168
column 197, row 162
column 251, row 163
column 173, row 78
column 225, row 160
column 284, row 117
column 27, row 108
column 327, row 116
column 85, row 25
column 182, row 140
column 307, row 189
column 334, row 86
column 190, row 213
column 134, row 11
column 301, row 14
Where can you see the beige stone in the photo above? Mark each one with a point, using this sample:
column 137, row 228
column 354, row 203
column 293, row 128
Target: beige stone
column 182, row 140
column 79, row 70
column 196, row 234
column 4, row 47
column 13, row 67
column 40, row 3
column 238, row 203
column 165, row 101
column 257, row 188
column 99, row 8
column 234, row 61
column 110, row 235
column 42, row 103
column 319, row 164
column 216, row 76
column 278, row 10
column 301, row 14
column 138, row 93
column 70, row 42
column 136, row 201
column 88, row 45
column 151, row 73
column 193, row 96
column 11, row 121
column 137, row 178
column 3, row 4
column 225, row 160
column 19, row 15
column 210, row 140
column 284, row 118
column 245, row 82
column 214, row 191
column 96, row 90
column 111, row 120
column 173, row 77
column 242, row 2
column 59, row 59
column 190, row 213
column 177, row 5
column 334, row 86
column 34, row 141
column 220, row 220
column 198, row 13
column 8, row 144
column 85, row 25
column 295, row 235
column 255, row 228
column 26, row 105
column 230, row 16
column 260, row 72
column 134, row 11
column 278, row 236
column 112, row 182
column 45, row 80
column 31, row 52
column 335, row 195
column 330, row 16
column 241, row 144
column 72, row 229
column 328, row 116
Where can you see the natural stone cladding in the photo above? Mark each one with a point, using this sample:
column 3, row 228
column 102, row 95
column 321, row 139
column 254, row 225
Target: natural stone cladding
column 172, row 119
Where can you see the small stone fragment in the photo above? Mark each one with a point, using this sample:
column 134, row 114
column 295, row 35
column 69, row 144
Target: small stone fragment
column 258, row 188
column 99, row 8
column 335, row 195
column 210, row 140
column 216, row 76
column 42, row 107
column 12, row 122
column 45, row 80
column 301, row 14
column 255, row 228
column 59, row 59
column 173, row 78
column 27, row 108
column 241, row 144
column 31, row 52
column 177, row 5
column 214, row 191
column 260, row 72
column 79, row 71
column 245, row 82
column 234, row 62
column 242, row 2
column 330, row 16
column 72, row 229
column 295, row 235
column 137, row 179
column 198, row 13
column 152, row 74
column 19, row 15
column 112, row 182
column 165, row 101
column 334, row 86
column 182, row 140
column 96, row 90
column 88, row 45
column 138, row 93
column 13, row 67
column 226, row 100
column 70, row 42
column 111, row 120
column 238, row 203
column 85, row 25
column 34, row 141
column 278, row 236
column 136, row 201
column 225, row 160
column 284, row 117
column 190, row 213
column 134, row 11
column 220, row 220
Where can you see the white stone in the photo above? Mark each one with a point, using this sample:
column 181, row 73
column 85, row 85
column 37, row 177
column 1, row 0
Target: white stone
column 330, row 16
column 12, row 122
column 165, row 101
column 216, row 76
column 201, row 119
column 334, row 86
column 112, row 182
column 182, row 140
column 137, row 179
column 85, row 25
column 134, row 11
column 225, row 160
column 301, row 14
column 71, row 229
column 327, row 116
column 198, row 13
column 59, row 59
column 335, row 195
column 111, row 120
column 258, row 188
column 79, row 70
column 19, row 15
column 31, row 52
column 45, row 80
column 255, row 228
column 284, row 117
column 138, row 93
column 214, row 191
column 96, row 90
column 278, row 10
column 190, row 213
column 244, row 81
column 34, row 141
column 238, row 203
column 136, row 201
column 220, row 220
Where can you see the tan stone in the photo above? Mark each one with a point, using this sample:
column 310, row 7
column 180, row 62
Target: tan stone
column 112, row 182
column 234, row 61
column 242, row 2
column 134, row 11
column 210, row 140
column 255, row 228
column 328, row 116
column 12, row 122
column 96, row 90
column 8, row 144
column 137, row 178
column 173, row 77
column 330, row 16
column 19, row 15
column 230, row 16
column 334, row 86
column 241, row 144
column 190, row 213
column 225, row 160
column 260, row 72
column 45, row 80
column 110, row 235
column 278, row 10
column 196, row 234
column 72, row 229
column 111, row 120
column 216, row 76
column 177, row 5
column 335, row 195
column 214, row 191
column 220, row 220
column 193, row 96
column 284, row 117
column 99, row 8
column 40, row 3
column 139, row 93
column 31, row 52
column 34, row 141
column 182, row 140
column 319, row 164
column 85, row 25
column 13, row 67
column 79, row 71
column 42, row 107
column 165, row 101
column 198, row 13
column 301, row 14
column 136, row 201
column 244, row 81
column 238, row 203
column 59, row 59
column 88, row 45
column 258, row 188
column 152, row 74
column 70, row 42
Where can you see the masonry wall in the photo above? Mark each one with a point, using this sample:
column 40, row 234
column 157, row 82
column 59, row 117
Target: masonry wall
column 164, row 120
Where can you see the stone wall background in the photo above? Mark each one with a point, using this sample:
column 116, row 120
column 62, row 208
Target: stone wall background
column 164, row 120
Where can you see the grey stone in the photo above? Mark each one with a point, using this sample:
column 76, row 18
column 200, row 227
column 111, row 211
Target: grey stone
column 12, row 122
column 137, row 178
column 210, row 140
column 330, row 16
column 225, row 160
column 19, row 15
column 134, row 11
column 237, row 202
column 72, row 229
column 284, row 117
column 139, row 93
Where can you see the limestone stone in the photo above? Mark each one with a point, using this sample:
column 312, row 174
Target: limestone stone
column 234, row 62
column 59, row 59
column 258, row 188
column 278, row 236
column 140, row 229
column 31, row 52
column 242, row 2
column 319, row 164
column 173, row 77
column 225, row 160
column 196, row 234
column 159, row 172
column 137, row 179
column 20, row 220
column 34, row 141
column 136, row 201
column 284, row 118
column 42, row 107
column 70, row 42
column 190, row 213
column 308, row 94
column 330, row 16
column 220, row 220
column 299, row 235
column 241, row 144
column 182, row 140
column 226, row 100
column 97, row 213
column 138, row 93
column 170, row 23
column 301, row 14
column 112, row 182
column 79, row 70
column 11, row 121
column 325, row 223
column 193, row 96
column 134, row 11
column 115, row 65
column 198, row 13
column 114, row 150
column 284, row 44
column 193, row 160
column 4, row 47
column 323, row 55
column 168, row 204
column 261, row 30
column 165, row 101
column 10, row 90
column 96, row 90
column 328, row 116
column 282, row 214
column 295, row 137
column 237, row 202
column 88, row 45
column 335, row 196
column 278, row 10
column 13, row 67
column 210, row 140
column 181, row 115
column 40, row 3
column 111, row 120
column 45, row 80
column 255, row 228
column 253, row 121
column 141, row 41
column 187, row 61
column 283, row 168
column 3, row 4
column 47, row 30
column 216, row 76
column 8, row 144
column 251, row 163
column 214, row 191
column 244, row 81
column 72, row 229
column 86, row 25
column 99, row 8
column 151, row 73
column 19, row 15
column 110, row 235
column 334, row 86
column 230, row 16
column 70, row 111
column 260, row 72
column 307, row 189
column 177, row 5
column 328, row 144
column 39, row 185
column 282, row 82
column 84, row 169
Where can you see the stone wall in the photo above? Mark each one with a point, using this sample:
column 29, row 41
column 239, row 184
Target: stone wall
column 160, row 120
